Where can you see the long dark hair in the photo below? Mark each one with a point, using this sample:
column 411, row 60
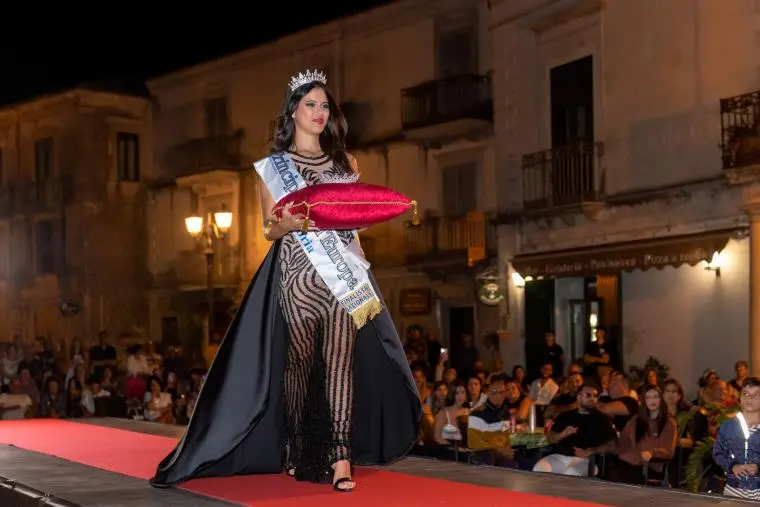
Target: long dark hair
column 332, row 140
column 451, row 397
column 642, row 420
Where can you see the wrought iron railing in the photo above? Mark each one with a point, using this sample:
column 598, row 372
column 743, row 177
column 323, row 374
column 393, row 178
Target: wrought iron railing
column 444, row 100
column 571, row 174
column 222, row 152
column 29, row 198
column 438, row 236
column 740, row 130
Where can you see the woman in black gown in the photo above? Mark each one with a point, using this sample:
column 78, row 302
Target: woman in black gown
column 299, row 385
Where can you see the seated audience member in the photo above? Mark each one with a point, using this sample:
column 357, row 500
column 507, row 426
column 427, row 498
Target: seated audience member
column 15, row 404
column 705, row 381
column 486, row 427
column 742, row 372
column 717, row 403
column 543, row 390
column 521, row 377
column 476, row 395
column 651, row 378
column 77, row 403
column 575, row 367
column 577, row 434
column 52, row 401
column 737, row 448
column 446, row 422
column 517, row 403
column 567, row 397
column 695, row 424
column 437, row 399
column 158, row 404
column 619, row 405
column 420, row 380
column 651, row 435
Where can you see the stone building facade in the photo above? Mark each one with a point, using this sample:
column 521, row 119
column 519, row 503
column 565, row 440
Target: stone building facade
column 72, row 214
column 625, row 142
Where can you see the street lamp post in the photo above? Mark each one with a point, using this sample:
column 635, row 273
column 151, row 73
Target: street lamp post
column 207, row 232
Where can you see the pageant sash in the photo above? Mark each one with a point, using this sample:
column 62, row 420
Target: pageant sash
column 343, row 268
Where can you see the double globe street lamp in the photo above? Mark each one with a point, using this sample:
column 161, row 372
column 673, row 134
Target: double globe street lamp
column 208, row 231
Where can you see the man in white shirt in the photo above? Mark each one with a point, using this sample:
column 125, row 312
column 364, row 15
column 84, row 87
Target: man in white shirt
column 16, row 404
column 544, row 389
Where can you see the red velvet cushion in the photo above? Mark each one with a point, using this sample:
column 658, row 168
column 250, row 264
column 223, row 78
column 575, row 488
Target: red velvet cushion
column 340, row 206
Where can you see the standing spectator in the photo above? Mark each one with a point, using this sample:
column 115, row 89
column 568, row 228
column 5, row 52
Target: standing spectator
column 737, row 448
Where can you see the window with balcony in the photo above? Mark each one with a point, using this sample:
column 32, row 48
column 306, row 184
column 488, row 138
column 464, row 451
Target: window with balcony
column 572, row 130
column 217, row 116
column 127, row 156
column 44, row 247
column 459, row 189
column 456, row 52
column 43, row 160
column 572, row 102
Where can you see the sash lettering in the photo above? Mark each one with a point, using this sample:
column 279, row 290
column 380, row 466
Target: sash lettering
column 343, row 268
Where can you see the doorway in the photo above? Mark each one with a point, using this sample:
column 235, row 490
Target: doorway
column 539, row 318
column 585, row 319
column 461, row 321
column 605, row 290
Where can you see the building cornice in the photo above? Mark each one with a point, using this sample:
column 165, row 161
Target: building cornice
column 541, row 15
column 75, row 96
column 361, row 25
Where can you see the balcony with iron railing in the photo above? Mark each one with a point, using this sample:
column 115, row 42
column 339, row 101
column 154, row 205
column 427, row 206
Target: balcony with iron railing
column 445, row 108
column 567, row 176
column 445, row 241
column 740, row 131
column 206, row 153
column 33, row 198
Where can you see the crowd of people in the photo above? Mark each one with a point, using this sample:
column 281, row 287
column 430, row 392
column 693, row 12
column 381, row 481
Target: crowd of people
column 48, row 379
column 583, row 418
column 586, row 418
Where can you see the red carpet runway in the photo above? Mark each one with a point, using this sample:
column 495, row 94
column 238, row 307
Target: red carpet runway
column 135, row 454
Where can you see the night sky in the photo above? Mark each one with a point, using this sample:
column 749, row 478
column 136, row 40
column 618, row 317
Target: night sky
column 131, row 44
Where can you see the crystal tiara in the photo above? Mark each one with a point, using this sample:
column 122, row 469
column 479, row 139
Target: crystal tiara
column 309, row 76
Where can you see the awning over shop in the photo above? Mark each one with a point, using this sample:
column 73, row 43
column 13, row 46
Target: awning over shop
column 644, row 254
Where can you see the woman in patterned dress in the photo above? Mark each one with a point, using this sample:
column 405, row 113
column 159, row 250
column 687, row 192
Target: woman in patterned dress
column 317, row 323
column 330, row 394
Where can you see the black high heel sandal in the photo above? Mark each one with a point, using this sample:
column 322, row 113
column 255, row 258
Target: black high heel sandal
column 343, row 480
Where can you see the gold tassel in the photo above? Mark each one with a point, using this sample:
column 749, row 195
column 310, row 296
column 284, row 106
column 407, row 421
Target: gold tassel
column 366, row 313
column 415, row 214
column 306, row 222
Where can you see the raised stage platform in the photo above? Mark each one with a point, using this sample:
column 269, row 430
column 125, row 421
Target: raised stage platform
column 105, row 462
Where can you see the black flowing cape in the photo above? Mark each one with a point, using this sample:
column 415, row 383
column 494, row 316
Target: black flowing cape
column 238, row 423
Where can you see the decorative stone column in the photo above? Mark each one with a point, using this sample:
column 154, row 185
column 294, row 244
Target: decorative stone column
column 753, row 212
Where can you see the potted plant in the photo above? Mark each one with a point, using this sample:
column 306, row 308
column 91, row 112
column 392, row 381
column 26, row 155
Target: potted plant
column 697, row 465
